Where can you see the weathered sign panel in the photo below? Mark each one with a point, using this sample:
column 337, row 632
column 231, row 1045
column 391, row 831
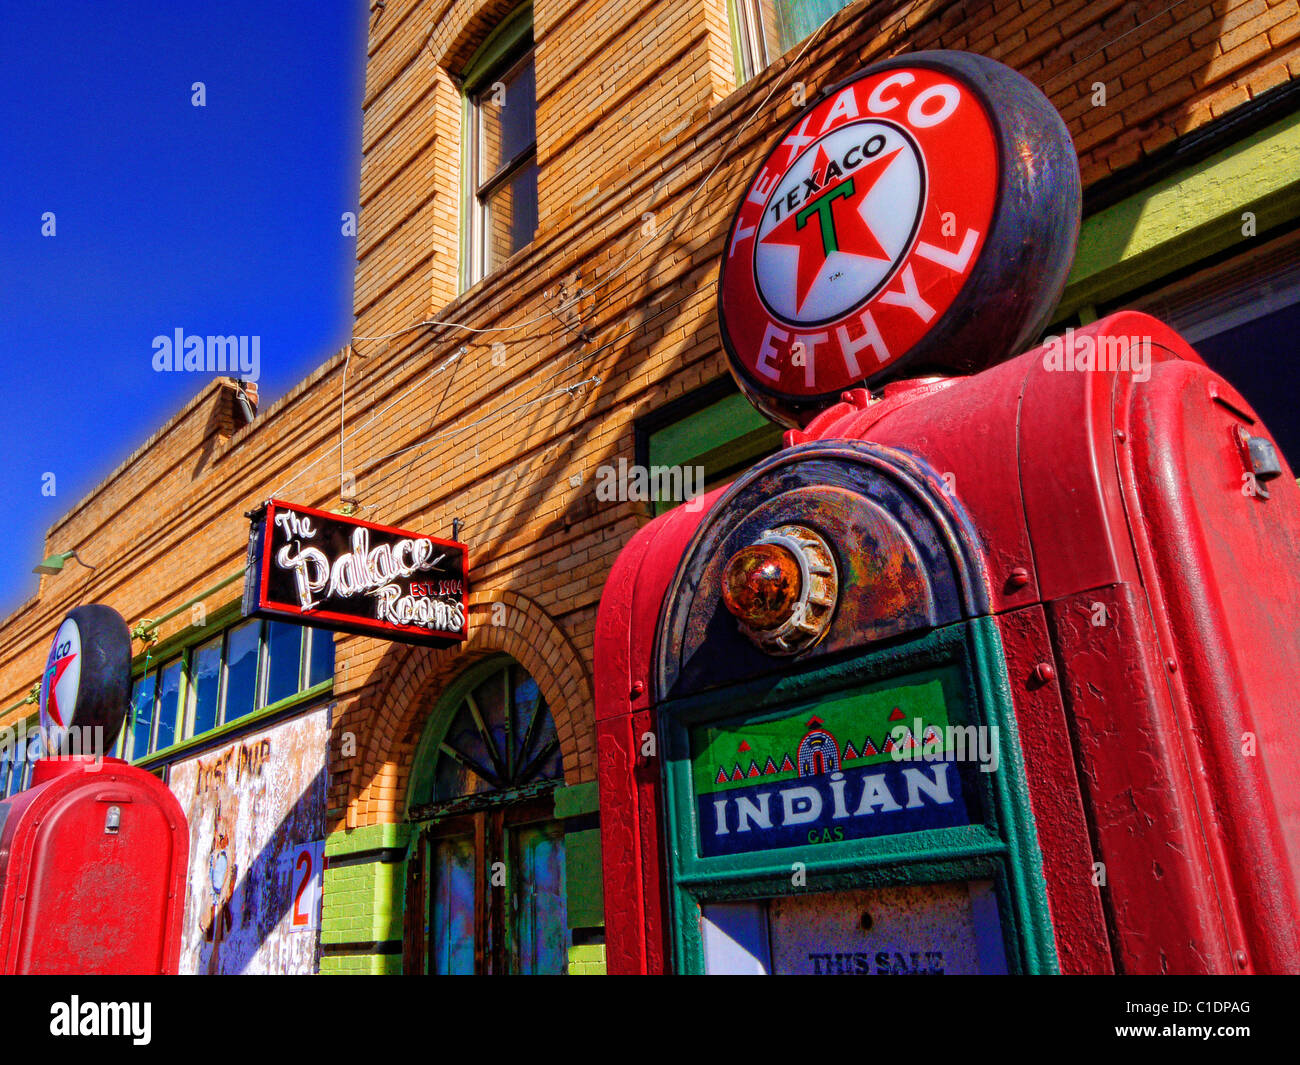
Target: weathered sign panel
column 859, row 765
column 256, row 811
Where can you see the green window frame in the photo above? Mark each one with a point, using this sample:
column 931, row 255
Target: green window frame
column 157, row 737
column 714, row 427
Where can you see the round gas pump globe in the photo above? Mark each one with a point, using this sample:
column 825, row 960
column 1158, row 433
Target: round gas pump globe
column 87, row 681
column 920, row 218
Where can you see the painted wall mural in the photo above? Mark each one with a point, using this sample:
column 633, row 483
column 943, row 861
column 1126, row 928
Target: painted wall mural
column 256, row 810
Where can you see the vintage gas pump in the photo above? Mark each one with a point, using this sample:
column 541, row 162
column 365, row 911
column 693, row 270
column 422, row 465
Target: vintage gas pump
column 970, row 676
column 92, row 855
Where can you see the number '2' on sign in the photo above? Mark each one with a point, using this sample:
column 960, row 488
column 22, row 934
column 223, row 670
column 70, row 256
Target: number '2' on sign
column 307, row 861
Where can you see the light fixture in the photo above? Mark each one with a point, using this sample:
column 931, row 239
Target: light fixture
column 52, row 565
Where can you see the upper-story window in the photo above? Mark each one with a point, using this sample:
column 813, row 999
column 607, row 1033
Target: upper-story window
column 767, row 29
column 501, row 150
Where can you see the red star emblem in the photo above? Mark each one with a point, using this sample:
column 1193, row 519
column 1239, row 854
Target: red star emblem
column 52, row 676
column 830, row 221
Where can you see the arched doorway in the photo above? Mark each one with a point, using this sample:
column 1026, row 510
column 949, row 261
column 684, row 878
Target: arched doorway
column 485, row 873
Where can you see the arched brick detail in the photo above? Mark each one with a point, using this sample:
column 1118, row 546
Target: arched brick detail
column 458, row 33
column 397, row 711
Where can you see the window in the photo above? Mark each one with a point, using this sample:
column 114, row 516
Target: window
column 713, row 429
column 246, row 668
column 243, row 650
column 17, row 759
column 205, row 685
column 481, row 794
column 767, row 29
column 501, row 150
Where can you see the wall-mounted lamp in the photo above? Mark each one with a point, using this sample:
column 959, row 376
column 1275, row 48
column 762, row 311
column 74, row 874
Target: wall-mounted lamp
column 55, row 563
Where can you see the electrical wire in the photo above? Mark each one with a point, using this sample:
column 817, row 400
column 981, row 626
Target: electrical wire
column 634, row 249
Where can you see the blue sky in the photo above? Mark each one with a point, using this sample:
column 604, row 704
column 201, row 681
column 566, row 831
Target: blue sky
column 223, row 219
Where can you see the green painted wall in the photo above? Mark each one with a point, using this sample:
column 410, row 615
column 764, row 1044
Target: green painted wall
column 362, row 903
column 1194, row 214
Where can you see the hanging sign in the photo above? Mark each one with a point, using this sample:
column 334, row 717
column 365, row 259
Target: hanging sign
column 87, row 678
column 920, row 218
column 334, row 572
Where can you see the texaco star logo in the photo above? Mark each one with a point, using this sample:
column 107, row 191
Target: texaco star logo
column 62, row 677
column 857, row 232
column 857, row 197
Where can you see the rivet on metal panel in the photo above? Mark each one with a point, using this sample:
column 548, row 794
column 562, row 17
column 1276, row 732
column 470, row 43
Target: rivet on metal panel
column 638, row 689
column 1120, row 435
column 1173, row 666
column 1241, row 959
column 1017, row 578
column 1043, row 672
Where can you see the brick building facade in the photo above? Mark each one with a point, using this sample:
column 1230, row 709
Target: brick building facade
column 496, row 403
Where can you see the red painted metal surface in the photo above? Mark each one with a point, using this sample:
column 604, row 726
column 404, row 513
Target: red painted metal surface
column 75, row 898
column 635, row 893
column 1151, row 625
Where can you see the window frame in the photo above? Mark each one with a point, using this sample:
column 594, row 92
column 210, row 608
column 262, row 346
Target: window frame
column 706, row 406
column 488, row 818
column 506, row 49
column 753, row 54
column 749, row 44
column 182, row 648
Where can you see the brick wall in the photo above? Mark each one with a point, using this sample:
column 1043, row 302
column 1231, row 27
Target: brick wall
column 636, row 107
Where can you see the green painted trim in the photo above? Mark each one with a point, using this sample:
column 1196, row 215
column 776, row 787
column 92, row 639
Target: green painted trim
column 507, row 36
column 1187, row 217
column 324, row 689
column 587, row 960
column 365, row 903
column 366, row 838
column 1002, row 848
column 188, row 637
column 163, row 618
column 577, row 799
column 718, row 424
column 584, row 882
column 723, row 436
column 420, row 787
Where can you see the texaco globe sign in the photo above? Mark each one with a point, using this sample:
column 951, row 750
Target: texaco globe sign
column 921, row 217
column 87, row 678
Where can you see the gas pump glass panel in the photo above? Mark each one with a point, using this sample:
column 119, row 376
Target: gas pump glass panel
column 912, row 930
column 879, row 761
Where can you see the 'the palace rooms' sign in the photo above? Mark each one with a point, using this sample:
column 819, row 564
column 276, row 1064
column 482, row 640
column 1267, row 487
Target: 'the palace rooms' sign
column 334, row 572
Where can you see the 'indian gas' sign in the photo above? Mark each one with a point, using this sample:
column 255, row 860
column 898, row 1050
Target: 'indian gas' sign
column 857, row 766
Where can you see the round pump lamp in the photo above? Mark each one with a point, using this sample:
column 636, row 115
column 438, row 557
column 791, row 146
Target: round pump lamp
column 782, row 589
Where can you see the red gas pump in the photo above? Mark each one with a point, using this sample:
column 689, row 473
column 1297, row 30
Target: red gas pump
column 93, row 855
column 981, row 673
